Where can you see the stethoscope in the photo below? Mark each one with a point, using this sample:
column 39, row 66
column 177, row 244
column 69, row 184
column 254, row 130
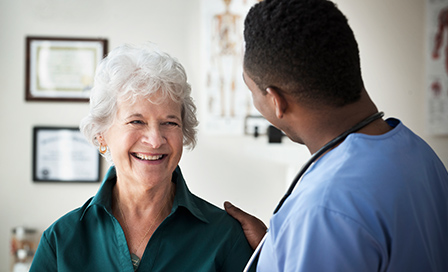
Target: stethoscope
column 305, row 167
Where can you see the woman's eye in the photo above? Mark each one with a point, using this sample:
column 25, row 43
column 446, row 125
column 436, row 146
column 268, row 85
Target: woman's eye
column 174, row 124
column 136, row 122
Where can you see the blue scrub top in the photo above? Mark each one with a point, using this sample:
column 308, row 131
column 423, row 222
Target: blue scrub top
column 374, row 203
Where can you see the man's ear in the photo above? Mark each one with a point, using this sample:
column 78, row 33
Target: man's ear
column 279, row 102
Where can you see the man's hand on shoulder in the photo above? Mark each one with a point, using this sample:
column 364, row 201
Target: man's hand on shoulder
column 253, row 228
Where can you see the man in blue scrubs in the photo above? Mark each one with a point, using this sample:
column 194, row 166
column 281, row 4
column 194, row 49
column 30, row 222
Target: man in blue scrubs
column 378, row 201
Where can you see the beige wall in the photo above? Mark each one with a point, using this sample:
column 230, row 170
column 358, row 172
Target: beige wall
column 390, row 35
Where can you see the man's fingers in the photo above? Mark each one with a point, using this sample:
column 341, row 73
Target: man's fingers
column 236, row 212
column 254, row 229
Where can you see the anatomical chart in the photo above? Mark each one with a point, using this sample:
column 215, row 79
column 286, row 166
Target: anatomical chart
column 437, row 67
column 227, row 100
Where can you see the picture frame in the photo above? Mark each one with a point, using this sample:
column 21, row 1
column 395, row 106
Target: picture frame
column 61, row 69
column 62, row 154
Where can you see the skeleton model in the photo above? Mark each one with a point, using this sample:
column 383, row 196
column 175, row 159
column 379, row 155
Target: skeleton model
column 226, row 54
column 443, row 24
column 441, row 29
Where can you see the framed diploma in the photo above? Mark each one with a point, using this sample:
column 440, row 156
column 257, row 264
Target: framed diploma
column 61, row 69
column 62, row 154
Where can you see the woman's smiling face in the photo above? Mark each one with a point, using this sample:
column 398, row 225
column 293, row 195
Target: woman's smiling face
column 146, row 140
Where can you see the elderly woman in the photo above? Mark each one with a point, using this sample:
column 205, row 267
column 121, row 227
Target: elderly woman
column 143, row 217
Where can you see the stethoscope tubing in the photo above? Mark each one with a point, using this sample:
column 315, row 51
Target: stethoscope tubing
column 324, row 149
column 255, row 254
column 305, row 167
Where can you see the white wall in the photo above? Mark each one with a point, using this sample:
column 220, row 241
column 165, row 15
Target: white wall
column 391, row 38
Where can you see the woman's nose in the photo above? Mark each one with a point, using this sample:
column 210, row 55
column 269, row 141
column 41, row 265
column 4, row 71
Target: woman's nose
column 154, row 137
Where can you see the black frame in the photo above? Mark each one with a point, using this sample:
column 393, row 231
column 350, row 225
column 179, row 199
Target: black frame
column 28, row 82
column 95, row 156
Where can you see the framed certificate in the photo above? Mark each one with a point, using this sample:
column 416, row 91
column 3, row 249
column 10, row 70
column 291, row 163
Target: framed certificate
column 61, row 69
column 62, row 154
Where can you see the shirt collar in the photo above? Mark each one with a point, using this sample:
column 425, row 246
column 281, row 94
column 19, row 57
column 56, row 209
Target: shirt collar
column 183, row 198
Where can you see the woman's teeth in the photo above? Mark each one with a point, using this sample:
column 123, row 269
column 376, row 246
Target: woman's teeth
column 148, row 157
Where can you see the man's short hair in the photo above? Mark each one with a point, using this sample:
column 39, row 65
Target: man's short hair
column 305, row 48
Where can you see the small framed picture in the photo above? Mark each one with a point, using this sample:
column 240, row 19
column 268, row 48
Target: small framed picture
column 61, row 69
column 62, row 154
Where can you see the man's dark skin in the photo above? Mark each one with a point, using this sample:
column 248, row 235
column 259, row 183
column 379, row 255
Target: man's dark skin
column 303, row 124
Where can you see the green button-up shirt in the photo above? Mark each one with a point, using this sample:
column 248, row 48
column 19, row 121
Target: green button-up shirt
column 196, row 236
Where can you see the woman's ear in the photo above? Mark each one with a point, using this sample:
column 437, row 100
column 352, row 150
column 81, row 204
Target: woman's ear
column 100, row 139
column 279, row 102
